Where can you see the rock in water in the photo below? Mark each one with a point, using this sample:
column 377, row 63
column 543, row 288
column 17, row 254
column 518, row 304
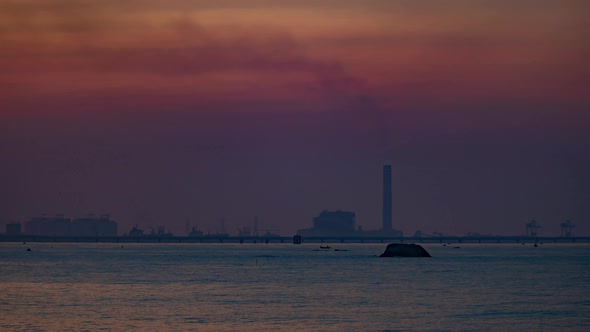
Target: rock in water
column 404, row 250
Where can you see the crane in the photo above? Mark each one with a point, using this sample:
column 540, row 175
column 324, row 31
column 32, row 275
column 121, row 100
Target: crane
column 531, row 228
column 567, row 228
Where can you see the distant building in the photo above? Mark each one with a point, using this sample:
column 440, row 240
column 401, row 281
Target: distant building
column 93, row 226
column 195, row 233
column 342, row 223
column 58, row 226
column 245, row 231
column 33, row 226
column 162, row 232
column 332, row 223
column 13, row 229
column 135, row 232
column 157, row 233
column 61, row 226
column 48, row 226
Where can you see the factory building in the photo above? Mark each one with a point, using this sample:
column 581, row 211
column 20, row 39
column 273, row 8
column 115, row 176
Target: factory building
column 57, row 225
column 61, row 226
column 13, row 229
column 343, row 223
column 93, row 226
column 340, row 223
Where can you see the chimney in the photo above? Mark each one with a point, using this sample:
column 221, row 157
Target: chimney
column 387, row 215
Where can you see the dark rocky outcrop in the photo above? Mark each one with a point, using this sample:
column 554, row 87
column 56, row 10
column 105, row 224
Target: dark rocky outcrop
column 404, row 250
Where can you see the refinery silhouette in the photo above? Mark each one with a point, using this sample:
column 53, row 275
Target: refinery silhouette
column 328, row 225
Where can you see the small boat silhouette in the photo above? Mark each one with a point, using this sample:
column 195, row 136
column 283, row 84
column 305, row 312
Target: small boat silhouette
column 325, row 247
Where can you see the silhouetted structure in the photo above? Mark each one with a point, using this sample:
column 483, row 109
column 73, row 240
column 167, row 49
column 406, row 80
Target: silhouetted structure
column 255, row 230
column 135, row 231
column 94, row 226
column 162, row 232
column 51, row 226
column 340, row 223
column 567, row 228
column 219, row 233
column 244, row 231
column 195, row 233
column 531, row 228
column 61, row 226
column 387, row 199
column 387, row 212
column 13, row 229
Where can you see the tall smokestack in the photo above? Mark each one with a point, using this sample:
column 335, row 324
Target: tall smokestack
column 387, row 215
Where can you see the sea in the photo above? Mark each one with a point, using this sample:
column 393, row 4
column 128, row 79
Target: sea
column 287, row 287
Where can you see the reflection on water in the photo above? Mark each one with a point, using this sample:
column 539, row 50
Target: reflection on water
column 233, row 287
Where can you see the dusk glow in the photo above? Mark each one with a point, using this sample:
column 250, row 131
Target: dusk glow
column 159, row 112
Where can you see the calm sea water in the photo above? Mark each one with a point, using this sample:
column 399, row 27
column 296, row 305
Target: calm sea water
column 285, row 287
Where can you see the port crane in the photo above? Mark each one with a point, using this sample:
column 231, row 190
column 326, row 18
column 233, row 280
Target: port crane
column 531, row 228
column 567, row 228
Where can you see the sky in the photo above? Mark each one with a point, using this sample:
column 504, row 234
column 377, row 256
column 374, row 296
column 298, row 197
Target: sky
column 162, row 112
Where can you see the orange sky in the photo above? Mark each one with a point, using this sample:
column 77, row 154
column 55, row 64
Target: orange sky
column 292, row 51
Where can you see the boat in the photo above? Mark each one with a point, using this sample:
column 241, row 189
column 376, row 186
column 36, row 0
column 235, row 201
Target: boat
column 325, row 247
